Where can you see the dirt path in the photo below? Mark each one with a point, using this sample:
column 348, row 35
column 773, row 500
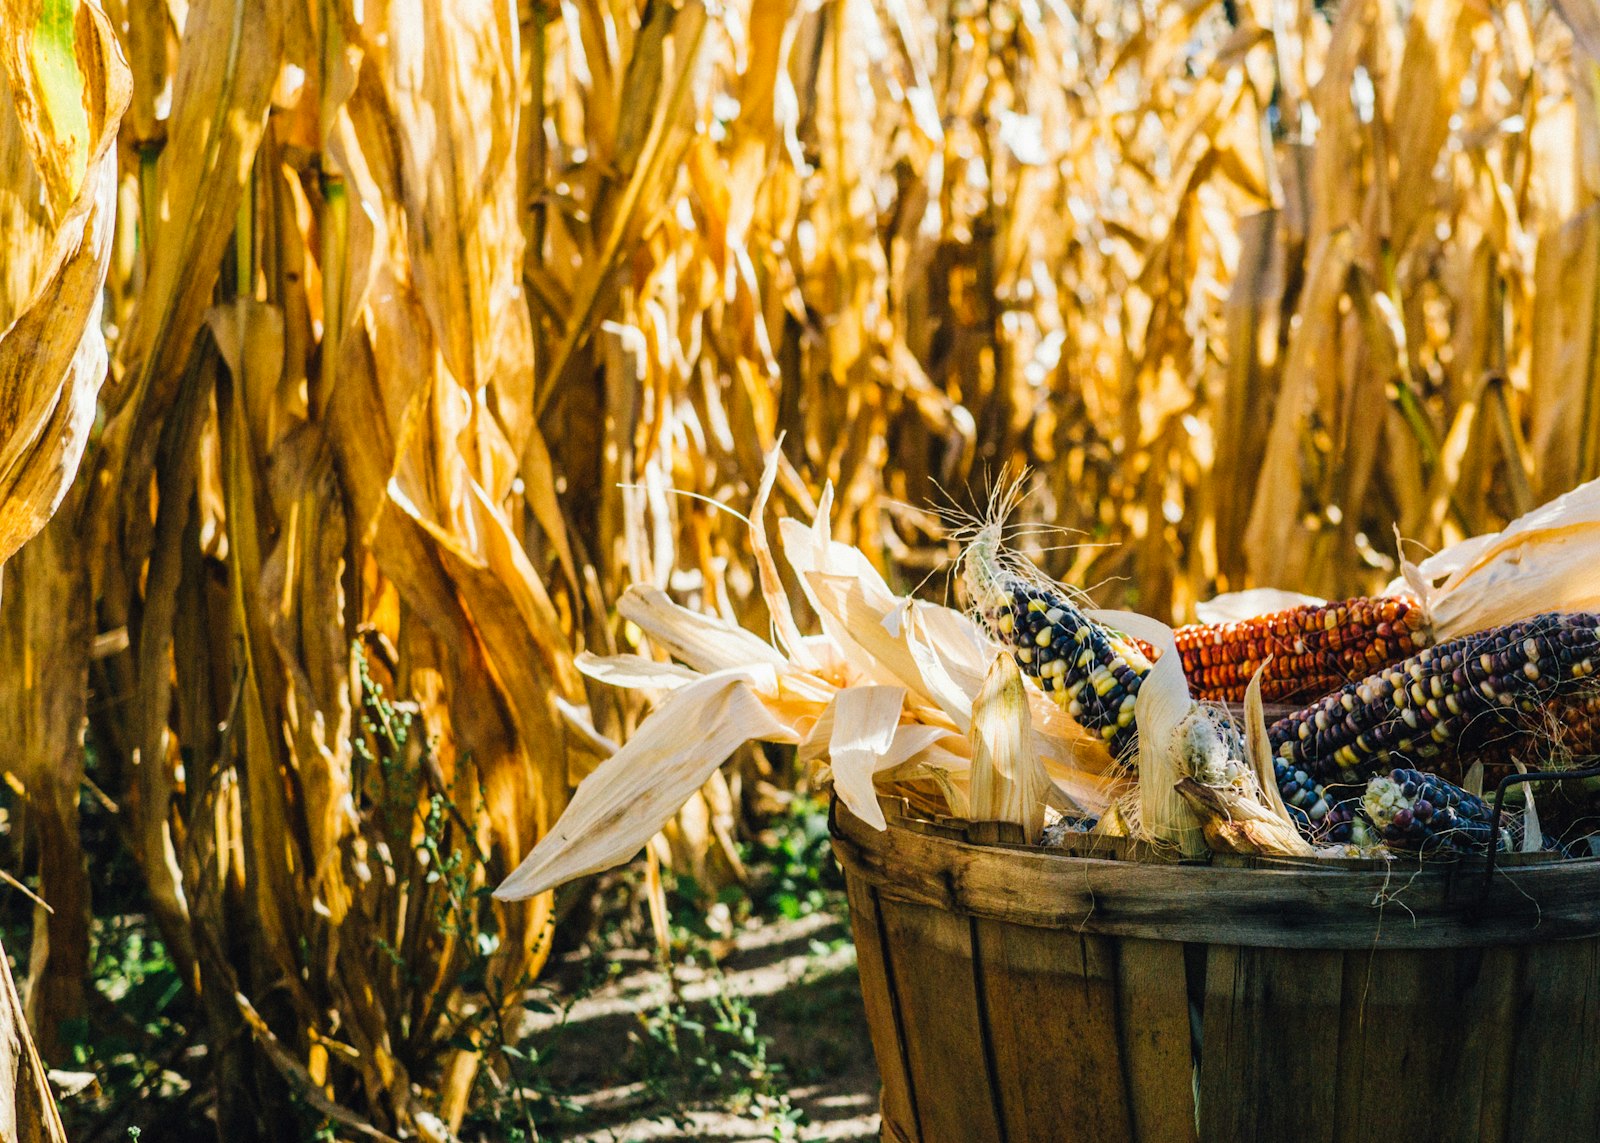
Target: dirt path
column 792, row 984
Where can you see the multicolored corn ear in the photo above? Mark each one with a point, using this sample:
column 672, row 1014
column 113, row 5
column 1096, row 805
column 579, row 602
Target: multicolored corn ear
column 1091, row 671
column 1564, row 734
column 1444, row 701
column 1423, row 812
column 1308, row 650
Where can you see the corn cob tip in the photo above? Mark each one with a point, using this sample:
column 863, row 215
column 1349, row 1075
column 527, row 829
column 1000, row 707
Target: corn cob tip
column 981, row 569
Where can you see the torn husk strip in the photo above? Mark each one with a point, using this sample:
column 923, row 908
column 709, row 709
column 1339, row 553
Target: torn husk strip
column 1532, row 832
column 1236, row 823
column 1165, row 818
column 1008, row 782
column 1258, row 748
column 772, row 592
column 953, row 793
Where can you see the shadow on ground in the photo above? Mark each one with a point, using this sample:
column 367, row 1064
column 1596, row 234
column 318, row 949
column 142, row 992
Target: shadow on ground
column 785, row 1053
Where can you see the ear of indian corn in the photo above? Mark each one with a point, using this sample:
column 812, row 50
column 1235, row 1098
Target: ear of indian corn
column 1413, row 810
column 1095, row 673
column 1563, row 734
column 1092, row 672
column 1445, row 700
column 1309, row 650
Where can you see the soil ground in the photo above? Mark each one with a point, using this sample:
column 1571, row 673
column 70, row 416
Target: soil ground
column 790, row 982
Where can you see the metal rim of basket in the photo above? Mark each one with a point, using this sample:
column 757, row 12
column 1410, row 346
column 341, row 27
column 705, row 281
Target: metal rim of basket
column 1528, row 778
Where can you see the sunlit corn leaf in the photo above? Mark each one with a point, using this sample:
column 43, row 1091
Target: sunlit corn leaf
column 52, row 352
column 227, row 65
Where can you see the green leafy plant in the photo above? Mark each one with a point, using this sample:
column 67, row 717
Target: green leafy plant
column 711, row 1053
column 796, row 872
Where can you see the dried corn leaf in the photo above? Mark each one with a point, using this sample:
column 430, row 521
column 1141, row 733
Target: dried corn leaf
column 228, row 62
column 48, row 91
column 27, row 1108
column 788, row 633
column 632, row 794
column 52, row 353
column 44, row 644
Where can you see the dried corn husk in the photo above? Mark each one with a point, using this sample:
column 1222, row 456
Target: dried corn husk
column 1233, row 606
column 864, row 723
column 1542, row 561
column 1240, row 809
column 889, row 692
column 1008, row 781
column 1163, row 704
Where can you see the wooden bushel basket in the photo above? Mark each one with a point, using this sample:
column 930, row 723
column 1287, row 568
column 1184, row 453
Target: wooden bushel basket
column 1017, row 994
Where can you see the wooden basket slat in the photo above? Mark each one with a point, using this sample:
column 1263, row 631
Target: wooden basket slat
column 1271, row 1026
column 1495, row 1025
column 1153, row 1019
column 1555, row 1075
column 1052, row 995
column 941, row 1016
column 883, row 1020
column 1417, row 1021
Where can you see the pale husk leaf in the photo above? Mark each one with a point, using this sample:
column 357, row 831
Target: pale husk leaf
column 1008, row 781
column 704, row 643
column 633, row 793
column 863, row 731
column 1164, row 701
column 1259, row 748
column 1233, row 606
column 634, row 671
column 1542, row 561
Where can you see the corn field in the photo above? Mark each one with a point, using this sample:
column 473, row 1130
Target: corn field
column 357, row 356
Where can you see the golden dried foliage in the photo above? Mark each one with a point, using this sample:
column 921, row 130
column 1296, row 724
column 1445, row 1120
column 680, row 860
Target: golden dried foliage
column 423, row 318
